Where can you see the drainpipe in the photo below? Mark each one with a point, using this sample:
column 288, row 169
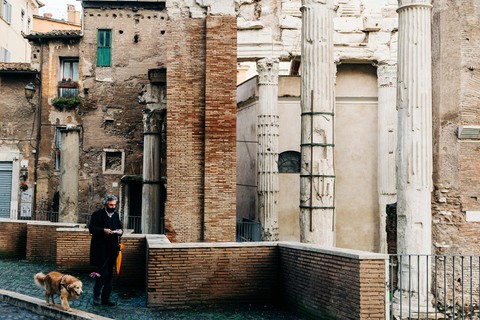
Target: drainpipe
column 39, row 130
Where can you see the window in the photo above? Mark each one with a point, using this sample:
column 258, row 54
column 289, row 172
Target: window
column 67, row 86
column 104, row 47
column 6, row 11
column 5, row 55
column 113, row 161
column 289, row 162
column 22, row 20
column 58, row 147
column 28, row 26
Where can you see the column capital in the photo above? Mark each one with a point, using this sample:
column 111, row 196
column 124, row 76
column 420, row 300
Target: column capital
column 403, row 4
column 387, row 75
column 267, row 69
column 152, row 120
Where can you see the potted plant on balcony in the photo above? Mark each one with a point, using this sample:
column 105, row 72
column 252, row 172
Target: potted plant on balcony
column 66, row 103
column 67, row 83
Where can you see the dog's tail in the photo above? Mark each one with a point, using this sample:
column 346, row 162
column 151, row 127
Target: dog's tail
column 39, row 279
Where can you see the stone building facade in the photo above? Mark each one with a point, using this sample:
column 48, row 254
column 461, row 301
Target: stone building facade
column 366, row 35
column 155, row 120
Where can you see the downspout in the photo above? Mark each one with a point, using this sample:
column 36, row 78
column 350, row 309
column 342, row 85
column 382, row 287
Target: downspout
column 39, row 130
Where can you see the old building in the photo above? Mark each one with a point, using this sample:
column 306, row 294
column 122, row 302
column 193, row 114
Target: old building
column 46, row 23
column 141, row 104
column 16, row 19
column 17, row 143
column 364, row 48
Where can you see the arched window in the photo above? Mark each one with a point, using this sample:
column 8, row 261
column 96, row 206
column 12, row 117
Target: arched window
column 289, row 162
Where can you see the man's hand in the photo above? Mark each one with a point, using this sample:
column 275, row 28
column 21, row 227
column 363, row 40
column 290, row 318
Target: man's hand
column 108, row 231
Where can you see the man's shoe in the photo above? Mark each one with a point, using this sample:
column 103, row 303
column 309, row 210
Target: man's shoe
column 108, row 303
column 96, row 300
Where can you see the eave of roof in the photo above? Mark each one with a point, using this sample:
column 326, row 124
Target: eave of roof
column 17, row 67
column 55, row 34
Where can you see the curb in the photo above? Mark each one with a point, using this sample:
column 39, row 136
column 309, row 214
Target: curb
column 40, row 307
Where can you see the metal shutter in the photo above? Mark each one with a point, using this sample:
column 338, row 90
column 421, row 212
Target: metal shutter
column 5, row 188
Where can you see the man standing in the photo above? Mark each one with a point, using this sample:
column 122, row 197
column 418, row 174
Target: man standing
column 106, row 228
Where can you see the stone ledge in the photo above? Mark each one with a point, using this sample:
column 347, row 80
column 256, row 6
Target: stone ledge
column 341, row 252
column 39, row 307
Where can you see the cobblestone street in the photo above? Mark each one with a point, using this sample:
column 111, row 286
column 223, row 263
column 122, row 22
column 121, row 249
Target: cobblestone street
column 17, row 276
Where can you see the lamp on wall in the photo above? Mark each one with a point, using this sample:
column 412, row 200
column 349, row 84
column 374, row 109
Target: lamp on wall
column 29, row 93
column 24, row 173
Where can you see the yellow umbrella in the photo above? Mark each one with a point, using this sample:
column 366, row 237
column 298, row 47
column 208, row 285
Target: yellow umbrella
column 119, row 258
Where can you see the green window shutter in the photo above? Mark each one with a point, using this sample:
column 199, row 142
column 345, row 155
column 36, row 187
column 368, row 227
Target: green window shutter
column 104, row 48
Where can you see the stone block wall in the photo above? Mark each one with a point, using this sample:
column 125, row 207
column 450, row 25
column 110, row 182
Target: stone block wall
column 13, row 238
column 186, row 274
column 331, row 284
column 42, row 240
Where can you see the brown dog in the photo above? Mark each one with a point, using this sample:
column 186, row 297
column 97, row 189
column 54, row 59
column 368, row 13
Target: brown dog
column 66, row 286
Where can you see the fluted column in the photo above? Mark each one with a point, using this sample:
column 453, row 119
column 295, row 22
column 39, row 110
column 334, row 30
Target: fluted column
column 151, row 192
column 267, row 154
column 387, row 143
column 414, row 159
column 69, row 166
column 317, row 178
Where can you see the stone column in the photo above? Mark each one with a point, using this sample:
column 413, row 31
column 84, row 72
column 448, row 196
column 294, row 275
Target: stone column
column 151, row 192
column 317, row 178
column 414, row 158
column 267, row 154
column 69, row 166
column 387, row 143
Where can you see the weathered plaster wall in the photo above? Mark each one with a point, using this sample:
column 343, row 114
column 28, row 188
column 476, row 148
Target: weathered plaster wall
column 47, row 56
column 111, row 114
column 17, row 132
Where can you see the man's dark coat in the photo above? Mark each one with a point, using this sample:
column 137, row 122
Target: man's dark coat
column 103, row 246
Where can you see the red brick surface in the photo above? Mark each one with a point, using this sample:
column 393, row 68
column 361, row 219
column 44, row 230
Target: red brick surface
column 13, row 239
column 42, row 241
column 186, row 276
column 220, row 129
column 201, row 130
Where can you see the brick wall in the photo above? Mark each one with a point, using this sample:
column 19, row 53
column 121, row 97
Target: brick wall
column 326, row 283
column 187, row 274
column 73, row 250
column 185, row 130
column 332, row 285
column 13, row 238
column 73, row 254
column 42, row 240
column 220, row 129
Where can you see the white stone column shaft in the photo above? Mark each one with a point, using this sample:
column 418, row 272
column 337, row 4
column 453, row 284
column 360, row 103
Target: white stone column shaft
column 267, row 154
column 69, row 166
column 414, row 158
column 151, row 192
column 387, row 143
column 317, row 179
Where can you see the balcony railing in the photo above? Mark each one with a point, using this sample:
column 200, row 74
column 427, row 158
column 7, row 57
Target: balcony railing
column 67, row 88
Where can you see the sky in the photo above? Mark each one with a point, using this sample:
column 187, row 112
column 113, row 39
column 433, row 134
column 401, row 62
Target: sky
column 58, row 8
